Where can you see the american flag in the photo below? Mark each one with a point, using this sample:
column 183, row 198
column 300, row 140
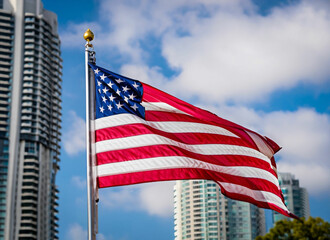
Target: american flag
column 144, row 135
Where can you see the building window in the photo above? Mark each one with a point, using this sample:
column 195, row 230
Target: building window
column 30, row 147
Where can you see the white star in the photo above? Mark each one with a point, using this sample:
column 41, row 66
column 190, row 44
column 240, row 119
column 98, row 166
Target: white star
column 134, row 107
column 103, row 77
column 110, row 107
column 104, row 99
column 119, row 105
column 118, row 92
column 99, row 83
column 125, row 89
column 97, row 71
column 112, row 98
column 118, row 80
column 105, row 90
column 126, row 99
column 99, row 90
column 135, row 85
column 101, row 109
column 110, row 84
column 132, row 96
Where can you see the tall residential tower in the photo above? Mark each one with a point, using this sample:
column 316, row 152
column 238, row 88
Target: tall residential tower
column 201, row 212
column 30, row 120
column 295, row 197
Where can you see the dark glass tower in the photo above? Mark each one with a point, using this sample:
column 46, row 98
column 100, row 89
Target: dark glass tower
column 295, row 197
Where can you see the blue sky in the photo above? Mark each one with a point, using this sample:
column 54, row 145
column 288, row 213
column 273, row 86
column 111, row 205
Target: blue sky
column 263, row 64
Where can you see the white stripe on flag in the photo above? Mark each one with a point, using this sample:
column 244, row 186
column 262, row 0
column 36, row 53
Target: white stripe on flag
column 263, row 147
column 258, row 195
column 161, row 106
column 170, row 126
column 154, row 139
column 161, row 163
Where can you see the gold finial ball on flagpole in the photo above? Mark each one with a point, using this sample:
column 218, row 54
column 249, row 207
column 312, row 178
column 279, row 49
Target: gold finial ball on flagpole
column 88, row 35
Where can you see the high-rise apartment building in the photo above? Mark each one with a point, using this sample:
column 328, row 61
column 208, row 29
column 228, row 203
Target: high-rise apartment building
column 295, row 197
column 201, row 212
column 30, row 120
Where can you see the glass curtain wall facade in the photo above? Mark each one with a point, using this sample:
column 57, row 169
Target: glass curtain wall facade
column 201, row 212
column 6, row 59
column 30, row 120
column 295, row 197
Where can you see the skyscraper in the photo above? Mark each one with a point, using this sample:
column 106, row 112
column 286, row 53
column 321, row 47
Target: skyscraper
column 201, row 212
column 30, row 120
column 295, row 197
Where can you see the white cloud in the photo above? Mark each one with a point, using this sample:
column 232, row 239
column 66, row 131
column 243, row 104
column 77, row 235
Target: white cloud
column 74, row 137
column 100, row 236
column 304, row 138
column 246, row 57
column 76, row 232
column 124, row 198
column 74, row 36
column 313, row 176
column 304, row 135
column 157, row 199
column 150, row 75
column 79, row 182
column 153, row 198
column 243, row 56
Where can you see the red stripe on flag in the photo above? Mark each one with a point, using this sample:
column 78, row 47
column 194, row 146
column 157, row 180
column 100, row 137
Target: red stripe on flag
column 185, row 173
column 268, row 205
column 168, row 150
column 189, row 138
column 177, row 140
column 152, row 94
column 172, row 174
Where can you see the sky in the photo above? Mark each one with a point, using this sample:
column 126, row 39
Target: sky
column 262, row 64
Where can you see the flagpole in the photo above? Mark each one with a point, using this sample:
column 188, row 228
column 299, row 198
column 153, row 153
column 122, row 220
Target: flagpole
column 92, row 191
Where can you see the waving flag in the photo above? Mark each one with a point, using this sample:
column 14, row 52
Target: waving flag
column 144, row 135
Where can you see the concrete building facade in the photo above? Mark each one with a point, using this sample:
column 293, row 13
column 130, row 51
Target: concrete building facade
column 201, row 212
column 30, row 120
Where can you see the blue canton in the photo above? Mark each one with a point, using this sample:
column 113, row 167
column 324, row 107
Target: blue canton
column 116, row 94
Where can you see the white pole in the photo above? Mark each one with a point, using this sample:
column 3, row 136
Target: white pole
column 91, row 179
